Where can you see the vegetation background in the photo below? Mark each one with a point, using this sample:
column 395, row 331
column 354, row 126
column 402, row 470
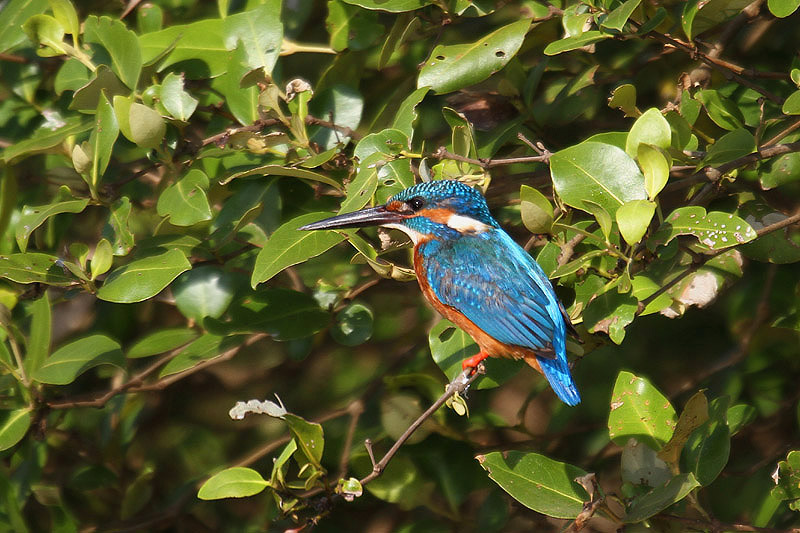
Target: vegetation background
column 158, row 156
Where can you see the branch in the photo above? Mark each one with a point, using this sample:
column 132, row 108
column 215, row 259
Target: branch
column 136, row 382
column 457, row 386
column 442, row 153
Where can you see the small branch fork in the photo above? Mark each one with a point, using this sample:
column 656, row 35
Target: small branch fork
column 457, row 386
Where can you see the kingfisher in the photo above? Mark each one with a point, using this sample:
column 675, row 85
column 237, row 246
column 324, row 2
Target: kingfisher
column 475, row 275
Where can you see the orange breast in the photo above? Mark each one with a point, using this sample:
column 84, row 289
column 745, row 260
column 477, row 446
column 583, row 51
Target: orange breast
column 486, row 343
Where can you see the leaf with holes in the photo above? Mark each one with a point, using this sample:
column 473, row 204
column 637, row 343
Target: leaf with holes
column 455, row 66
column 639, row 411
column 715, row 230
column 35, row 268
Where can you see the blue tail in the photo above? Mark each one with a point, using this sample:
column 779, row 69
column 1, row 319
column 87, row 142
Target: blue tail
column 557, row 373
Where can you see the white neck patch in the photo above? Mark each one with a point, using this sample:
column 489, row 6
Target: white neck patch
column 464, row 224
column 416, row 237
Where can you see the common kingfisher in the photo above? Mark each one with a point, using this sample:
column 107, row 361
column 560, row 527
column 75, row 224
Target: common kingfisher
column 476, row 276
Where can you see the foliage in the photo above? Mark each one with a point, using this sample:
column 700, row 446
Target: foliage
column 157, row 162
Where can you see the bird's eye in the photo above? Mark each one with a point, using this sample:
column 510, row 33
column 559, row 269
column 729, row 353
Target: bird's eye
column 416, row 203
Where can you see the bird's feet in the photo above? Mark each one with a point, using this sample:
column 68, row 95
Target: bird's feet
column 472, row 363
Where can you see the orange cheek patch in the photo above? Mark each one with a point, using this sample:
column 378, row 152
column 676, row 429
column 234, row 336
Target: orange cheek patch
column 438, row 215
column 394, row 206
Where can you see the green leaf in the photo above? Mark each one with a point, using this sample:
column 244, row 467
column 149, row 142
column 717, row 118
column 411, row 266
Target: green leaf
column 781, row 171
column 40, row 334
column 694, row 414
column 102, row 139
column 361, row 190
column 282, row 313
column 87, row 96
column 34, row 268
column 33, row 216
column 149, row 18
column 732, row 145
column 598, row 172
column 342, row 102
column 602, row 216
column 72, row 360
column 633, row 219
column 624, row 98
column 351, row 27
column 655, row 164
column 308, row 436
column 535, row 210
column 576, row 264
column 401, row 29
column 450, row 345
column 64, row 12
column 740, row 415
column 205, row 347
column 236, row 482
column 537, row 482
column 44, row 139
column 118, row 230
column 407, row 115
column 143, row 278
column 392, row 6
column 260, row 31
column 708, row 448
column 205, row 291
column 616, row 19
column 782, row 8
column 639, row 411
column 288, row 246
column 185, row 201
column 353, row 325
column 455, row 66
column 177, row 101
column 778, row 247
column 45, row 31
column 121, row 43
column 650, row 128
column 278, row 170
column 13, row 426
column 655, row 501
column 576, row 41
column 147, row 128
column 71, row 76
column 388, row 142
column 702, row 15
column 788, row 482
column 202, row 40
column 12, row 16
column 716, row 230
column 724, row 112
column 102, row 259
column 792, row 104
column 160, row 342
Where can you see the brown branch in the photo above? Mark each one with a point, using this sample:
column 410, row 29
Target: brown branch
column 457, row 386
column 443, row 153
column 721, row 66
column 136, row 382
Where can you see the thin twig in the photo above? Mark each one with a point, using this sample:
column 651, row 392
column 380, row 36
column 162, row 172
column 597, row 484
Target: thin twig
column 457, row 386
column 443, row 153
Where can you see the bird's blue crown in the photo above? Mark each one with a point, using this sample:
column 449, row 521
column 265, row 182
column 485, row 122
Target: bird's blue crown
column 447, row 195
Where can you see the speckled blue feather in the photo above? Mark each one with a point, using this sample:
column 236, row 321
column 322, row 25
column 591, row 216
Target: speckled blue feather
column 491, row 280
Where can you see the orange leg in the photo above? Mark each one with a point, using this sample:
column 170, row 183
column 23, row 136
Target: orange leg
column 474, row 361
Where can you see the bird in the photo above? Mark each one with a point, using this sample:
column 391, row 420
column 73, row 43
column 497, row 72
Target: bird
column 475, row 275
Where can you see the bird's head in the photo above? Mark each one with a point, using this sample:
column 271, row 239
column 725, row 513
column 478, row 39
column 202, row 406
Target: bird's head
column 431, row 210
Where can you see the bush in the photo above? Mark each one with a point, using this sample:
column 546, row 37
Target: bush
column 158, row 161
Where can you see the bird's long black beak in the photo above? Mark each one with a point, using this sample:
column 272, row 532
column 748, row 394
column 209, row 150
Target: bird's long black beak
column 372, row 216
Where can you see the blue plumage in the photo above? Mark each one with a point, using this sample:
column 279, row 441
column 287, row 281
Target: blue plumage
column 477, row 276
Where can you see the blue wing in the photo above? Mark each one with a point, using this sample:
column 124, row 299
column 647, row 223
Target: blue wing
column 502, row 290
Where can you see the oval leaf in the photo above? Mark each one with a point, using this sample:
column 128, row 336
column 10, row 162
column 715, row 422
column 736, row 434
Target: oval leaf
column 236, row 482
column 633, row 218
column 185, row 201
column 72, row 360
column 143, row 278
column 453, row 67
column 716, row 230
column 598, row 172
column 13, row 426
column 537, row 482
column 639, row 411
column 160, row 342
column 650, row 128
